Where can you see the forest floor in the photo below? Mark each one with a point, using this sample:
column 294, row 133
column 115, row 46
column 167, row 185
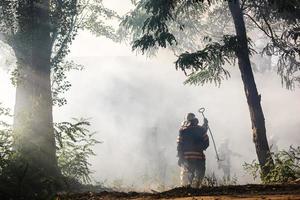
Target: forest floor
column 245, row 192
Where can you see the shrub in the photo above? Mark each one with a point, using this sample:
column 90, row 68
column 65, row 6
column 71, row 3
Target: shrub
column 286, row 167
column 19, row 179
column 74, row 147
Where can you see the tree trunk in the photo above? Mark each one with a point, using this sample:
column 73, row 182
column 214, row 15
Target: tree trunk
column 33, row 123
column 253, row 98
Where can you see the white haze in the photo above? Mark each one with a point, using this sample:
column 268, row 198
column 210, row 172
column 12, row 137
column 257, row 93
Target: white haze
column 128, row 96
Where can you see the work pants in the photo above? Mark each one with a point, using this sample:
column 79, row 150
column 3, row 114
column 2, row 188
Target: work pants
column 192, row 172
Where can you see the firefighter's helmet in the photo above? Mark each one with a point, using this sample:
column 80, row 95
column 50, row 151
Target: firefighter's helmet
column 190, row 116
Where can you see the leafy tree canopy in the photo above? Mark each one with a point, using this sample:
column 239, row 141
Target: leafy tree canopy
column 185, row 24
column 67, row 17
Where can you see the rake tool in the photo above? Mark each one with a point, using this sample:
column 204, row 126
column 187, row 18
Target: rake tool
column 201, row 111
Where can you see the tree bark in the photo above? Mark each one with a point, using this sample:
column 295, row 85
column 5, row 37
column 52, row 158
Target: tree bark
column 33, row 121
column 253, row 98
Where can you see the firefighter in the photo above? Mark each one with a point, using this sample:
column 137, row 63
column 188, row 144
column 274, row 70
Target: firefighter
column 191, row 143
column 225, row 159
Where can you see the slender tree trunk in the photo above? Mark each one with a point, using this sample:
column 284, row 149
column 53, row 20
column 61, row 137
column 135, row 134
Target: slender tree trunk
column 253, row 98
column 33, row 123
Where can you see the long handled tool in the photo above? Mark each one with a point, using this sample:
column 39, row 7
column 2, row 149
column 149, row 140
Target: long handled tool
column 201, row 110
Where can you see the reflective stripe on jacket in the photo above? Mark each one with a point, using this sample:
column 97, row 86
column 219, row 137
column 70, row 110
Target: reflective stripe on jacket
column 191, row 155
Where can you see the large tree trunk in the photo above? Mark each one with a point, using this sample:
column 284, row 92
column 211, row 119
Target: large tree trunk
column 33, row 123
column 253, row 98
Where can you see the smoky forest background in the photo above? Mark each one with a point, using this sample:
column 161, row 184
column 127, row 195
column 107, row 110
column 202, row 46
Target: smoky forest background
column 93, row 92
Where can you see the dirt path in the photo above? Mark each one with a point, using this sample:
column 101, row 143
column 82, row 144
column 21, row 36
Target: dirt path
column 245, row 197
column 221, row 197
column 245, row 192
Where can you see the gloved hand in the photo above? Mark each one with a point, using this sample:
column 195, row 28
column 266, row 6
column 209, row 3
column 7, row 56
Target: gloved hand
column 205, row 121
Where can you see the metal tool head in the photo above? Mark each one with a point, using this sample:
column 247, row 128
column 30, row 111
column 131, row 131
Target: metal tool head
column 220, row 160
column 201, row 110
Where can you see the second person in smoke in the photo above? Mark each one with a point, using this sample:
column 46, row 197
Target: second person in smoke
column 191, row 143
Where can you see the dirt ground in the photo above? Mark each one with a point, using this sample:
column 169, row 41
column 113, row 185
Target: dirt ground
column 254, row 197
column 245, row 192
column 221, row 197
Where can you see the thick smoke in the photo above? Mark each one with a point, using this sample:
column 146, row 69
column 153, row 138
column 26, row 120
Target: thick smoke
column 137, row 104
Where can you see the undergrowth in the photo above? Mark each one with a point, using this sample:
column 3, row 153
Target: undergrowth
column 286, row 167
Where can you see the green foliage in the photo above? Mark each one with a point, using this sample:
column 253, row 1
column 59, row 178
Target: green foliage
column 59, row 82
column 188, row 23
column 182, row 24
column 96, row 17
column 66, row 18
column 280, row 21
column 211, row 180
column 21, row 180
column 74, row 144
column 185, row 32
column 165, row 21
column 286, row 167
column 207, row 64
column 69, row 16
column 17, row 18
column 156, row 17
column 6, row 139
column 132, row 24
column 289, row 11
column 64, row 26
column 148, row 41
column 155, row 27
column 25, row 25
column 7, row 17
column 253, row 169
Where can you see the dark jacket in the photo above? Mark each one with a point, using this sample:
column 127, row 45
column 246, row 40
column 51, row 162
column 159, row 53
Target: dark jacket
column 192, row 141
